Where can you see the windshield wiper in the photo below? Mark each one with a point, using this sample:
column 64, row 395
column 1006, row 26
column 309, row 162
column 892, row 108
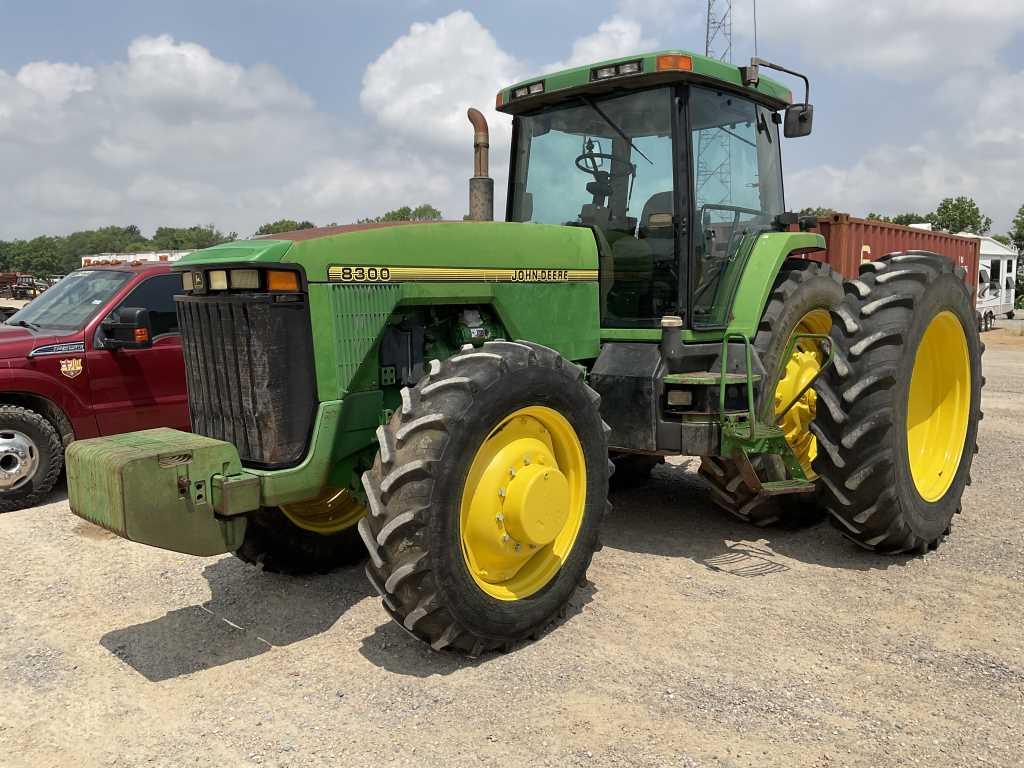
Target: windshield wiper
column 616, row 128
column 23, row 324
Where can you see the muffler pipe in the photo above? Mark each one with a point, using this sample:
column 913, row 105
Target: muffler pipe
column 481, row 186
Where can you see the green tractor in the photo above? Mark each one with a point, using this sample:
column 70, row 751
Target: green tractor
column 453, row 398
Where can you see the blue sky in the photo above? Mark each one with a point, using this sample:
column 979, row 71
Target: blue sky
column 240, row 111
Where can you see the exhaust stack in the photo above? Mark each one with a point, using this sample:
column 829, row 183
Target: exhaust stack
column 481, row 186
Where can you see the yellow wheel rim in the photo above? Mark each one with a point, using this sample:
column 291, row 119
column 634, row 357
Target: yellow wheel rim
column 332, row 511
column 523, row 502
column 803, row 365
column 938, row 406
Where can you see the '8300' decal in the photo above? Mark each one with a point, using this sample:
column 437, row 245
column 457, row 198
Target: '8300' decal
column 367, row 274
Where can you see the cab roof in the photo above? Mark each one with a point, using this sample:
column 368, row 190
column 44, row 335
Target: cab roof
column 655, row 68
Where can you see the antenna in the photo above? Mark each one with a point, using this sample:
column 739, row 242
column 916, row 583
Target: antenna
column 714, row 160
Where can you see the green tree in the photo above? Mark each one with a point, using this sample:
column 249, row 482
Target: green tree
column 961, row 214
column 910, row 218
column 817, row 212
column 283, row 225
column 423, row 212
column 1017, row 241
column 189, row 238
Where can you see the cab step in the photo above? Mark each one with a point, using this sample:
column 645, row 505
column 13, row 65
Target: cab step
column 707, row 378
column 783, row 487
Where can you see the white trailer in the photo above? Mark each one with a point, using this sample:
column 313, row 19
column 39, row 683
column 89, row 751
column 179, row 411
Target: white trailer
column 997, row 278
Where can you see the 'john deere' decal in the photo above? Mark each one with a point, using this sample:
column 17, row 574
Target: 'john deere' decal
column 71, row 368
column 366, row 274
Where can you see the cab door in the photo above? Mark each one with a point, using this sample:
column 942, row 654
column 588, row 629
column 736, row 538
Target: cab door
column 135, row 389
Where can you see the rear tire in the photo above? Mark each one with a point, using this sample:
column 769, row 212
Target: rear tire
column 47, row 456
column 877, row 494
column 800, row 288
column 416, row 491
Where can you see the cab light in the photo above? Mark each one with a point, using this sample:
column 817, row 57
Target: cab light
column 533, row 89
column 245, row 279
column 617, row 70
column 218, row 280
column 280, row 280
column 671, row 61
column 499, row 101
column 186, row 281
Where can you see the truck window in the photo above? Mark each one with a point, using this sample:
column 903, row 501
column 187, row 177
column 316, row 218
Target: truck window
column 157, row 295
column 73, row 301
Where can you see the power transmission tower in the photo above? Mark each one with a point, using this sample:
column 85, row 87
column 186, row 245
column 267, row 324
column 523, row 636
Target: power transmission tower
column 714, row 161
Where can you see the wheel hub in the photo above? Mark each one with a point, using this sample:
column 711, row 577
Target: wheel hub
column 536, row 505
column 802, row 366
column 523, row 503
column 19, row 459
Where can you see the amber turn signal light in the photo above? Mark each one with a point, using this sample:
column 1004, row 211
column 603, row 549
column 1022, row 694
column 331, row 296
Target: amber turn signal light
column 672, row 61
column 141, row 335
column 280, row 280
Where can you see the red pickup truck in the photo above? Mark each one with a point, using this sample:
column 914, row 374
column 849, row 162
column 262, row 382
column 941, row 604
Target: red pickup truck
column 97, row 354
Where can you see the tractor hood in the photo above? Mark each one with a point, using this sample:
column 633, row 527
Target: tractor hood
column 465, row 250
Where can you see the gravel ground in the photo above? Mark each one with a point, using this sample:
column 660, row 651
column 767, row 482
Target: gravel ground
column 699, row 642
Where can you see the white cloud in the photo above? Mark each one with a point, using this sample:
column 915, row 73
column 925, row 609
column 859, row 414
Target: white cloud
column 901, row 40
column 616, row 37
column 56, row 82
column 422, row 85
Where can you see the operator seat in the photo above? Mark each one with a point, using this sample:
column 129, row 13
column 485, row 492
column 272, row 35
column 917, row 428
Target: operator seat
column 641, row 266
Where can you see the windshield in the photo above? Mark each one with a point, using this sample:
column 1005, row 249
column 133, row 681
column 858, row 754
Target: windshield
column 594, row 162
column 73, row 301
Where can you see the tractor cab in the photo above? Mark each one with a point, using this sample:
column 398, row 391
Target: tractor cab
column 676, row 176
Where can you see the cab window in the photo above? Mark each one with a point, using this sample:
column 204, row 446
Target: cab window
column 157, row 295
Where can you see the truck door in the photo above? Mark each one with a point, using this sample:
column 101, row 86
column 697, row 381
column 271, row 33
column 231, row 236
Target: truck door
column 136, row 389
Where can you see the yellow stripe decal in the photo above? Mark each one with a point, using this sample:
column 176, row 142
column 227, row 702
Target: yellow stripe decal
column 367, row 274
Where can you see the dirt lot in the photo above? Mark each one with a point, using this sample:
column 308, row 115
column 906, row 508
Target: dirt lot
column 699, row 642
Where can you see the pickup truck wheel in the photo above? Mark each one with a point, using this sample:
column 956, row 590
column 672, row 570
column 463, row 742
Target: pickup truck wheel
column 31, row 457
column 309, row 537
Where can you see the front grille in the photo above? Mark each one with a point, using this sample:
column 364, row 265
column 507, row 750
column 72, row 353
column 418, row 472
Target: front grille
column 249, row 366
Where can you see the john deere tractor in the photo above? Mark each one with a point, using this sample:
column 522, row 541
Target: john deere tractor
column 452, row 398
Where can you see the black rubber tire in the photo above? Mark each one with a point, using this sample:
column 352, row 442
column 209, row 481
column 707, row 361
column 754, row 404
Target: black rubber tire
column 417, row 480
column 800, row 287
column 276, row 544
column 1009, row 315
column 862, row 403
column 51, row 456
column 632, row 469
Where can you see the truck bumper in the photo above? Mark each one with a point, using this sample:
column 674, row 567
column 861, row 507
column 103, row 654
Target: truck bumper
column 165, row 488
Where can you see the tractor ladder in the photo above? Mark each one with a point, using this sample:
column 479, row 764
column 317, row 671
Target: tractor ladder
column 744, row 437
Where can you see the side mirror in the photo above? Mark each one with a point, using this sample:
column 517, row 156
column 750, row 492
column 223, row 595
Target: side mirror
column 799, row 118
column 128, row 328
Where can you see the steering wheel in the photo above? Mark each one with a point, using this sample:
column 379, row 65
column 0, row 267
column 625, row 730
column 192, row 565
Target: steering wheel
column 587, row 162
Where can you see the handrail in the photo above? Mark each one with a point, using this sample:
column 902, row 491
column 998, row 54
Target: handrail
column 751, row 416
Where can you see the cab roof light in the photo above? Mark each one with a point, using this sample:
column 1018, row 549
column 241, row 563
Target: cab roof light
column 617, row 70
column 532, row 89
column 672, row 61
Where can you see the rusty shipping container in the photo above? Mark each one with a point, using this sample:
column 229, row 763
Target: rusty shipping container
column 852, row 241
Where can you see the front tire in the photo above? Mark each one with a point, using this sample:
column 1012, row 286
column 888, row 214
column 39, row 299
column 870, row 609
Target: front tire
column 899, row 423
column 486, row 497
column 31, row 457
